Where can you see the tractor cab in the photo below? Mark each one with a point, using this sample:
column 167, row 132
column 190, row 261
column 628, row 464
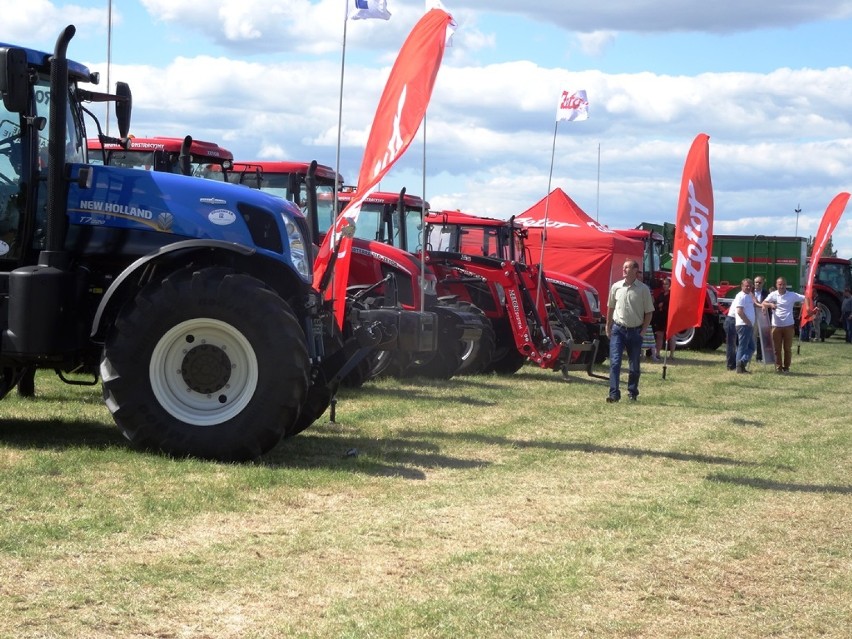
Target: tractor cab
column 184, row 156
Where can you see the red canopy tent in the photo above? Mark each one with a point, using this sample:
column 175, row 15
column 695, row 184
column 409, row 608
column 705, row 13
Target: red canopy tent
column 576, row 244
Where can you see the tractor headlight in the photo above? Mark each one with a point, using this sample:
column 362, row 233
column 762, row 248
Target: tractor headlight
column 298, row 248
column 593, row 301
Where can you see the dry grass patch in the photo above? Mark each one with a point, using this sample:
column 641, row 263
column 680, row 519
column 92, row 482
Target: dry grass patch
column 482, row 507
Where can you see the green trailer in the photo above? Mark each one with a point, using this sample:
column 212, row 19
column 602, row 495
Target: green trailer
column 736, row 257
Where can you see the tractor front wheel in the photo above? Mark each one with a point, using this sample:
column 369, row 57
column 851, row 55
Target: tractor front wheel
column 206, row 363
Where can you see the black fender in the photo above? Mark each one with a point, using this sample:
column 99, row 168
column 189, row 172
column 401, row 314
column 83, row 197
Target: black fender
column 130, row 276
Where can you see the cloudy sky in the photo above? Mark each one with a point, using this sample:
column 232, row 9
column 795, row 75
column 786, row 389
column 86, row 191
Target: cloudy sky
column 768, row 81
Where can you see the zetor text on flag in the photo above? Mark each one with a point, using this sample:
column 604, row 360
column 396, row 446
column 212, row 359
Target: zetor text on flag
column 367, row 9
column 829, row 222
column 572, row 106
column 693, row 241
column 399, row 114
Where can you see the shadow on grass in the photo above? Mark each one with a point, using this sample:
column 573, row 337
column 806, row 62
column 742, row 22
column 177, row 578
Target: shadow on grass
column 323, row 446
column 768, row 484
column 585, row 447
column 59, row 435
column 574, row 377
column 683, row 360
column 406, row 458
column 444, row 395
column 739, row 421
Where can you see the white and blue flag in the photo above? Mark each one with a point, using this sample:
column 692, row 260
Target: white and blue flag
column 369, row 9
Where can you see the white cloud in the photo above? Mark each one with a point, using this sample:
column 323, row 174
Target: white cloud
column 655, row 16
column 594, row 43
column 778, row 140
column 42, row 20
column 490, row 134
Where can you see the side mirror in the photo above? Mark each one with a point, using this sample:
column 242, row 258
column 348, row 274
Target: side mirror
column 14, row 79
column 123, row 107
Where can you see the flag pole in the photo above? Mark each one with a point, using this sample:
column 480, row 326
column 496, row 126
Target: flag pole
column 598, row 194
column 546, row 212
column 335, row 200
column 109, row 58
column 422, row 225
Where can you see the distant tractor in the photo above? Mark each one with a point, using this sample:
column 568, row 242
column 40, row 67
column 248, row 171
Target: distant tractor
column 184, row 156
column 480, row 264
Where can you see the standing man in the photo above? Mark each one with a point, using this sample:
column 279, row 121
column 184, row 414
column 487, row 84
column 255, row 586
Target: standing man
column 629, row 311
column 781, row 302
column 846, row 313
column 760, row 294
column 743, row 306
column 731, row 339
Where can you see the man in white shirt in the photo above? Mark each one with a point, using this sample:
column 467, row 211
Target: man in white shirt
column 743, row 308
column 781, row 302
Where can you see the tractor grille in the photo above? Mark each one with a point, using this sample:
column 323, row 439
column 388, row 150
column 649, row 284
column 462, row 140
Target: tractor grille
column 263, row 228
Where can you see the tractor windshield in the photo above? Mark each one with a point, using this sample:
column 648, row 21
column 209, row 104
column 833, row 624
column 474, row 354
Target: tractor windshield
column 409, row 231
column 834, row 275
column 325, row 204
column 369, row 224
column 159, row 160
column 485, row 241
column 653, row 256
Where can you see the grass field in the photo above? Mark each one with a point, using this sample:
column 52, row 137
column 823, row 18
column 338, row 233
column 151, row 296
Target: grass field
column 719, row 505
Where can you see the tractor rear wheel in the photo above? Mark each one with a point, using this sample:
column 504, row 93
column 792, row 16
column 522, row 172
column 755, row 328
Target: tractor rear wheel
column 207, row 363
column 476, row 355
column 567, row 326
column 509, row 364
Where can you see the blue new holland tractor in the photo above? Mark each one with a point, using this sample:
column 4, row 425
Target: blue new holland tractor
column 190, row 300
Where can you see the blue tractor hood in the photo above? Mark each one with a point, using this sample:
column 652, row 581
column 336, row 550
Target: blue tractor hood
column 173, row 207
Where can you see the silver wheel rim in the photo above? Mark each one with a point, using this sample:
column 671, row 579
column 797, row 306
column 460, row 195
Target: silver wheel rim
column 203, row 372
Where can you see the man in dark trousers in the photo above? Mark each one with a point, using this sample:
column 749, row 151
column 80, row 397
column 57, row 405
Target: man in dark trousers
column 629, row 311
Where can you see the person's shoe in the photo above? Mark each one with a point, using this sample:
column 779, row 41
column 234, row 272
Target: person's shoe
column 632, row 398
column 611, row 400
column 742, row 369
column 786, row 370
column 779, row 370
column 732, row 368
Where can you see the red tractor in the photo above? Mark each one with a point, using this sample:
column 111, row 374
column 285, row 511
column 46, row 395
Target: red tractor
column 479, row 262
column 380, row 275
column 184, row 156
column 570, row 305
